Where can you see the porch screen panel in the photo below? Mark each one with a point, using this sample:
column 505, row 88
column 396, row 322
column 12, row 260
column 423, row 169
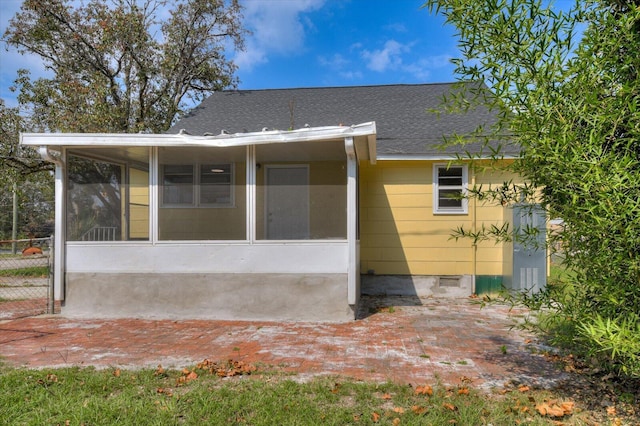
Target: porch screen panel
column 301, row 191
column 108, row 194
column 202, row 193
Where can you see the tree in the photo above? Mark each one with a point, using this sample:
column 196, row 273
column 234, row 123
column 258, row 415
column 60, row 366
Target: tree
column 571, row 100
column 24, row 173
column 120, row 66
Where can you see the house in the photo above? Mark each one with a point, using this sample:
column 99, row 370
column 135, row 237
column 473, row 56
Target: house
column 283, row 204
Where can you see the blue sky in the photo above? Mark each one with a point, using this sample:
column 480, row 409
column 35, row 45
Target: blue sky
column 311, row 43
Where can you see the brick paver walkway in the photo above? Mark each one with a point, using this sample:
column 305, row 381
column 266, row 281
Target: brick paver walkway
column 406, row 340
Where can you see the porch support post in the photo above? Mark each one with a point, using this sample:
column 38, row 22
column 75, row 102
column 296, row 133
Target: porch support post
column 353, row 276
column 59, row 233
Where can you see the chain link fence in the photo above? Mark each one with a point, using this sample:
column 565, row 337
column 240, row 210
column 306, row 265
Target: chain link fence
column 26, row 278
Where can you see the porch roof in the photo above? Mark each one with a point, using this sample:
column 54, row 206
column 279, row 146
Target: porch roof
column 364, row 136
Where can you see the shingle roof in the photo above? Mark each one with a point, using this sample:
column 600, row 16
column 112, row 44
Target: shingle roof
column 405, row 127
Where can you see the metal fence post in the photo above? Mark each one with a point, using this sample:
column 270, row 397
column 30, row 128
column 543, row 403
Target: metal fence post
column 51, row 308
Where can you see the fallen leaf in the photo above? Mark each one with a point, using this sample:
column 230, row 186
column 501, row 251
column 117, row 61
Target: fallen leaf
column 116, row 373
column 611, row 411
column 204, row 365
column 568, row 407
column 524, row 388
column 399, row 410
column 375, row 417
column 463, row 391
column 386, row 396
column 553, row 409
column 356, row 418
column 159, row 370
column 424, row 390
column 192, row 375
column 396, row 421
column 418, row 409
column 449, row 406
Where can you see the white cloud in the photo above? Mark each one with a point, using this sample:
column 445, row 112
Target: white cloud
column 335, row 62
column 397, row 27
column 351, row 75
column 278, row 27
column 422, row 68
column 388, row 58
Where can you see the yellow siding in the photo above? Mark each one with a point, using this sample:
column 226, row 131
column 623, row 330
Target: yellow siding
column 399, row 234
column 138, row 204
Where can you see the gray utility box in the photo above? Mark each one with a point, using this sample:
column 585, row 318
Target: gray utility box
column 526, row 258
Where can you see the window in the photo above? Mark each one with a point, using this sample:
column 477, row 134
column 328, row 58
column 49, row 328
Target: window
column 177, row 185
column 197, row 185
column 215, row 184
column 449, row 189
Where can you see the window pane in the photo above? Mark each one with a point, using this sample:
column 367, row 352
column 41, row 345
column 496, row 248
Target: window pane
column 177, row 184
column 450, row 198
column 450, row 177
column 215, row 173
column 177, row 194
column 215, row 194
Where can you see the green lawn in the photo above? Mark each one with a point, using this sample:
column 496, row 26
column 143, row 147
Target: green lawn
column 198, row 396
column 28, row 271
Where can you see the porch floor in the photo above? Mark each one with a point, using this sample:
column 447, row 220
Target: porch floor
column 400, row 339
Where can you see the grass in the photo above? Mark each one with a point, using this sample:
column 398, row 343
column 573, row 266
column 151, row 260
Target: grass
column 146, row 397
column 29, row 271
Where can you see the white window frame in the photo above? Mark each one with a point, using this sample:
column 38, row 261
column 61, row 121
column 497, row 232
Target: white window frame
column 195, row 188
column 464, row 208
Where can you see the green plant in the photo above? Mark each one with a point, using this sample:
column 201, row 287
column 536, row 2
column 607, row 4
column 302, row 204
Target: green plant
column 29, row 271
column 614, row 342
column 563, row 85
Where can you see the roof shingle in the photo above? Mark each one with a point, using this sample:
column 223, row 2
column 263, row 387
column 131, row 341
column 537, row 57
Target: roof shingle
column 405, row 125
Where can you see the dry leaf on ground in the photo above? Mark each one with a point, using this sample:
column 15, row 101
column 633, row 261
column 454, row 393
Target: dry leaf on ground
column 424, row 390
column 419, row 409
column 555, row 409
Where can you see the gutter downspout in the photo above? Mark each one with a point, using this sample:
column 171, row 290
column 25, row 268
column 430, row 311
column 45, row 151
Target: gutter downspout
column 352, row 223
column 59, row 233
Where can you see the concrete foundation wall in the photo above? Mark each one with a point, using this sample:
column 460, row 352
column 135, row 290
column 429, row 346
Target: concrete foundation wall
column 417, row 285
column 284, row 297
